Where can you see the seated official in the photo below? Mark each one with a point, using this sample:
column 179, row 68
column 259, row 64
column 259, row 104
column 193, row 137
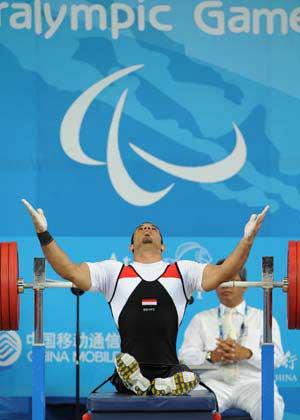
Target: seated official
column 229, row 338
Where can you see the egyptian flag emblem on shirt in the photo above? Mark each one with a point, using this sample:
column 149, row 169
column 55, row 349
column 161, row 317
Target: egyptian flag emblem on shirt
column 149, row 302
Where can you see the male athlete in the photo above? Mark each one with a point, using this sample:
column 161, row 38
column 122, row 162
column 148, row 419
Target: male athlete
column 148, row 300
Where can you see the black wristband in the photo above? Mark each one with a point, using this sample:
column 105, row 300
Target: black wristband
column 45, row 238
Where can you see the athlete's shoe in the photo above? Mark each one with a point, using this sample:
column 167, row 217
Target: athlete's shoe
column 130, row 374
column 179, row 384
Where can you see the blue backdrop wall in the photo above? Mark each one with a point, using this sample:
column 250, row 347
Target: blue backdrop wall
column 184, row 113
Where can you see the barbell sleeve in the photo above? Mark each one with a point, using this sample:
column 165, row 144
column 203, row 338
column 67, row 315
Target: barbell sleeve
column 50, row 285
column 262, row 284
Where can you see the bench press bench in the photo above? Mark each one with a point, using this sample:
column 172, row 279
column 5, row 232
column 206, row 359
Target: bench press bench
column 197, row 405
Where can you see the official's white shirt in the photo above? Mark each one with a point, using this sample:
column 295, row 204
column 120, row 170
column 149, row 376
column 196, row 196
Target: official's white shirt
column 205, row 328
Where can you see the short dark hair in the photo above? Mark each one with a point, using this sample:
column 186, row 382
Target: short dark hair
column 242, row 272
column 141, row 224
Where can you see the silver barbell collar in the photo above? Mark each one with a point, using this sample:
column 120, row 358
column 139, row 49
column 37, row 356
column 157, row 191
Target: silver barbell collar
column 48, row 284
column 262, row 284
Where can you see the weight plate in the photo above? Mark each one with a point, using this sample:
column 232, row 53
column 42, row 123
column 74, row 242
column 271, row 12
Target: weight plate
column 4, row 303
column 14, row 301
column 292, row 287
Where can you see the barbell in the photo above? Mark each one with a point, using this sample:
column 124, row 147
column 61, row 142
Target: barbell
column 11, row 286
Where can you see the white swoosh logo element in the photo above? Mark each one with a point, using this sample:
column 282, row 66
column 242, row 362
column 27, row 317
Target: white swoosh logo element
column 121, row 181
column 71, row 124
column 118, row 174
column 214, row 172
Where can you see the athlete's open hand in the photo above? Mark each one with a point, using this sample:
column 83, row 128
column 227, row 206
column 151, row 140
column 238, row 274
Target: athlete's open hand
column 254, row 223
column 38, row 217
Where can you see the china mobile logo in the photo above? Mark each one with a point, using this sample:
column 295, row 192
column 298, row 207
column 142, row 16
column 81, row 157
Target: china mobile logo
column 124, row 185
column 10, row 348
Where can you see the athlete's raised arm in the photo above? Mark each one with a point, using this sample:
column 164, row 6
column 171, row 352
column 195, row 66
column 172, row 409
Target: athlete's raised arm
column 78, row 274
column 214, row 275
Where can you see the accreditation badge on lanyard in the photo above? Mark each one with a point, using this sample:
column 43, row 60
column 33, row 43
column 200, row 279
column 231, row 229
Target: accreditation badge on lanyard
column 243, row 328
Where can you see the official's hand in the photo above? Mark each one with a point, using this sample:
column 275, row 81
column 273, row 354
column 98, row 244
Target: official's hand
column 38, row 217
column 223, row 352
column 232, row 351
column 241, row 353
column 226, row 350
column 254, row 223
column 219, row 356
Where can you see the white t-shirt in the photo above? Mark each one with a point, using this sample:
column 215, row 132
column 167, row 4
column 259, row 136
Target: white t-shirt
column 104, row 274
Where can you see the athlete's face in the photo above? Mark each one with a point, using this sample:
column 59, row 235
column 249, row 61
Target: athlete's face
column 231, row 296
column 147, row 235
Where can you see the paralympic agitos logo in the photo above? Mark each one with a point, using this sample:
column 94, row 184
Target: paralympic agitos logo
column 124, row 185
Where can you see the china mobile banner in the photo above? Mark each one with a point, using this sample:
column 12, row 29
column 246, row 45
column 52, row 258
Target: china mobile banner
column 184, row 113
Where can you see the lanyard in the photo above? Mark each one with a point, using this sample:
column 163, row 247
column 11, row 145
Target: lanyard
column 242, row 329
